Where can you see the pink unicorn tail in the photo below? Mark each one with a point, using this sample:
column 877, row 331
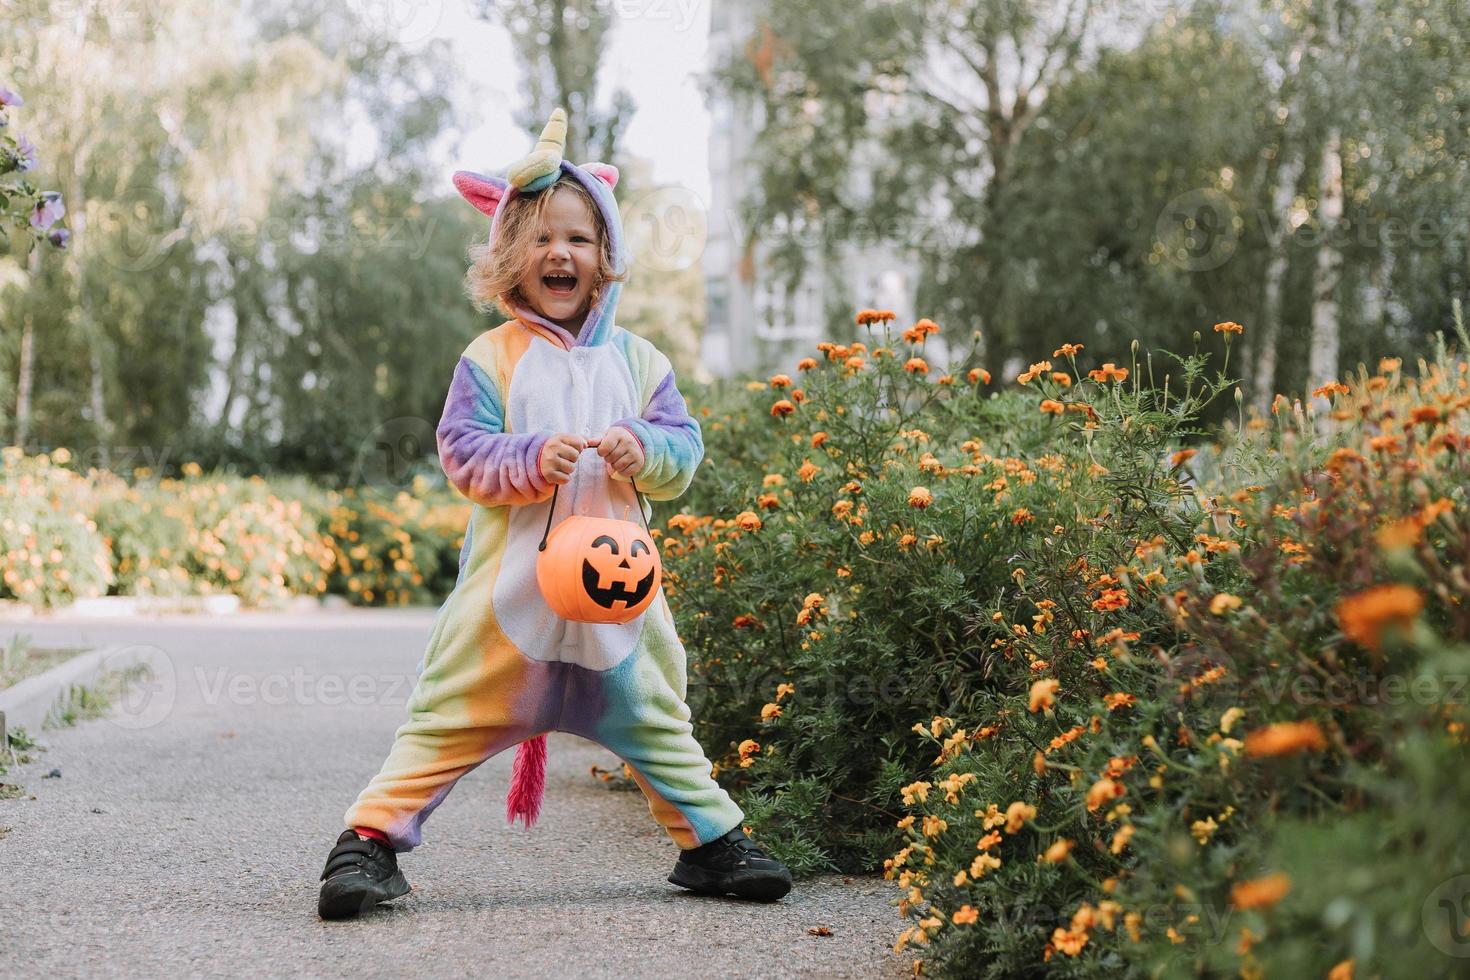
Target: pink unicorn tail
column 527, row 782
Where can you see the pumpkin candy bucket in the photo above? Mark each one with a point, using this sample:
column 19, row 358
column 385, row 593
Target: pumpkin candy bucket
column 598, row 569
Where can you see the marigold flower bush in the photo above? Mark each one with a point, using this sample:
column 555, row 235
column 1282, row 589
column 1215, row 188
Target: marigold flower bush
column 395, row 550
column 51, row 552
column 1148, row 687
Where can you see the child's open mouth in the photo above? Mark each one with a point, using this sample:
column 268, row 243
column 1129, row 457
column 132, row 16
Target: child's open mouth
column 559, row 284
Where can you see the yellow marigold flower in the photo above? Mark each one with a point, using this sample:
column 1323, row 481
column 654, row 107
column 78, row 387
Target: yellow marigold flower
column 1017, row 814
column 1229, row 326
column 978, row 376
column 1121, row 838
column 1260, row 893
column 1203, row 830
column 1067, row 350
column 916, row 365
column 1181, row 457
column 1285, row 738
column 1108, row 372
column 841, row 509
column 782, row 408
column 906, row 822
column 966, row 915
column 770, row 711
column 1043, row 693
column 920, row 497
column 748, row 520
column 807, row 364
column 1050, row 407
column 917, row 792
column 1058, row 852
column 934, row 826
column 780, row 381
column 1365, row 615
column 784, row 689
column 1229, row 718
column 1224, row 602
column 749, row 747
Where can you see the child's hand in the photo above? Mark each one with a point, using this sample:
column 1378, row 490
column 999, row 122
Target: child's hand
column 559, row 456
column 621, row 450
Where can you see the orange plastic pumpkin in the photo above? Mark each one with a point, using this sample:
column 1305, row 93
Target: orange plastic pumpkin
column 598, row 570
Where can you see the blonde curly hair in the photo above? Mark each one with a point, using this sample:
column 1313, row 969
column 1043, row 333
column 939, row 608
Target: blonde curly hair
column 495, row 274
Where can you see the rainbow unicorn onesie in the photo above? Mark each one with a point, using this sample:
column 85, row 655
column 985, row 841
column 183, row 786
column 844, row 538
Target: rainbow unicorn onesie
column 501, row 669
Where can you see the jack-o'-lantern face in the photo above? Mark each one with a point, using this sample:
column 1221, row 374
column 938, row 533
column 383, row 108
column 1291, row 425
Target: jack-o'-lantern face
column 614, row 572
column 599, row 570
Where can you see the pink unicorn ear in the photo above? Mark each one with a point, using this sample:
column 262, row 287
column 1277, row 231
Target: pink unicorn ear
column 606, row 171
column 481, row 191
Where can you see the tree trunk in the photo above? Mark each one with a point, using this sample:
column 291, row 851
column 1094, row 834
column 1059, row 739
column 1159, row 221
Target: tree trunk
column 1326, row 325
column 1278, row 235
column 27, row 358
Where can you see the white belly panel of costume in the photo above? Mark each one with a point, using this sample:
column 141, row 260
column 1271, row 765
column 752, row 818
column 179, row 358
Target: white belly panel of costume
column 581, row 391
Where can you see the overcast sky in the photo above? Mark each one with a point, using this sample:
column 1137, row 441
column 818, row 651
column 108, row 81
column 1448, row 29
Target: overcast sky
column 657, row 48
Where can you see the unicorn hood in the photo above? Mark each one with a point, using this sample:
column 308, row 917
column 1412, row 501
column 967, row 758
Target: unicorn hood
column 532, row 174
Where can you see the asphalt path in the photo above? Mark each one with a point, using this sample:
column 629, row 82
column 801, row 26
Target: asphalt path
column 187, row 828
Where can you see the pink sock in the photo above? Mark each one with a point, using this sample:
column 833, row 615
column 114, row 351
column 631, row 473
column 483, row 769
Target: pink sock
column 376, row 835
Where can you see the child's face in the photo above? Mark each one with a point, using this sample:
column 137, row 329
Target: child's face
column 563, row 260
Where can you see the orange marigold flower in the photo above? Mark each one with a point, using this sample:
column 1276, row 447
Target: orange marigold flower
column 1389, row 365
column 1364, row 615
column 925, row 327
column 1108, row 372
column 782, row 408
column 1103, row 791
column 1331, row 388
column 854, row 363
column 770, row 711
column 744, row 621
column 916, row 365
column 780, row 381
column 965, row 915
column 748, row 748
column 1062, row 378
column 1260, row 893
column 1229, row 326
column 748, row 520
column 1017, row 814
column 818, row 438
column 798, row 396
column 1044, row 693
column 1285, row 738
column 806, row 364
column 1181, row 457
column 865, row 317
column 1032, row 373
column 1022, row 516
column 1110, row 599
column 920, row 497
column 1119, row 700
column 808, row 471
column 841, row 509
column 978, row 376
column 1067, row 350
column 1058, row 852
column 768, row 501
column 1424, row 415
column 1050, row 407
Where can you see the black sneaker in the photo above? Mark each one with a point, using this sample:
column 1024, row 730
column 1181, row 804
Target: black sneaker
column 360, row 873
column 732, row 865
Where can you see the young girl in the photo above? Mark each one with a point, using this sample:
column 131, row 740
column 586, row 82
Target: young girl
column 501, row 669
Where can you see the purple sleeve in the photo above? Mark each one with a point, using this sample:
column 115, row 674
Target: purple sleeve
column 484, row 462
column 672, row 445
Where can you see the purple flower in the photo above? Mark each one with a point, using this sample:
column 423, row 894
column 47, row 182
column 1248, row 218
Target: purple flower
column 25, row 158
column 8, row 97
column 48, row 211
column 59, row 237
